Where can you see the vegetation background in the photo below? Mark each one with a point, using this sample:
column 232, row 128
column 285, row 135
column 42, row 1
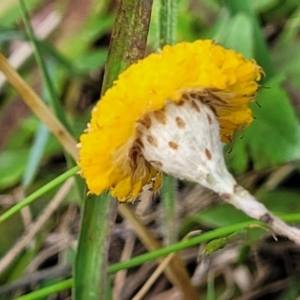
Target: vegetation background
column 231, row 256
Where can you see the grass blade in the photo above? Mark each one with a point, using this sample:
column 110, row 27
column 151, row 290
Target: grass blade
column 59, row 112
column 44, row 189
column 141, row 259
column 49, row 290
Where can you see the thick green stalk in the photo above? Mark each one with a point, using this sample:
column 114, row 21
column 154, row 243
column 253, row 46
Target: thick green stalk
column 90, row 281
column 127, row 46
column 129, row 38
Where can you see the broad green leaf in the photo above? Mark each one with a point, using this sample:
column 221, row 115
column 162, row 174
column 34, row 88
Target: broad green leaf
column 273, row 137
column 289, row 33
column 281, row 201
column 219, row 216
column 91, row 60
column 262, row 54
column 263, row 5
column 95, row 28
column 12, row 164
column 24, row 133
column 10, row 11
column 287, row 60
column 239, row 35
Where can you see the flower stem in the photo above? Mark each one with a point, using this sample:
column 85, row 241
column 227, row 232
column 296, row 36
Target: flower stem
column 39, row 108
column 244, row 201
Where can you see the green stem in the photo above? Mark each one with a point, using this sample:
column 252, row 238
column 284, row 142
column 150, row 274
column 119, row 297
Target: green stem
column 167, row 35
column 128, row 42
column 127, row 46
column 98, row 217
column 168, row 22
column 168, row 196
column 46, row 291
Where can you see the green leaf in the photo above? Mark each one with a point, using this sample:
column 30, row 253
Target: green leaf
column 281, row 201
column 94, row 29
column 219, row 216
column 263, row 5
column 262, row 54
column 91, row 60
column 12, row 164
column 10, row 11
column 274, row 137
column 240, row 40
column 9, row 34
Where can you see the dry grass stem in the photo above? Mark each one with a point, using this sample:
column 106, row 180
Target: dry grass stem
column 278, row 176
column 45, row 254
column 175, row 271
column 121, row 276
column 19, row 194
column 53, row 272
column 39, row 108
column 160, row 269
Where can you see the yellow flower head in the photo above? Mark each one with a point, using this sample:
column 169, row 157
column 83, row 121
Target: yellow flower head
column 110, row 152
